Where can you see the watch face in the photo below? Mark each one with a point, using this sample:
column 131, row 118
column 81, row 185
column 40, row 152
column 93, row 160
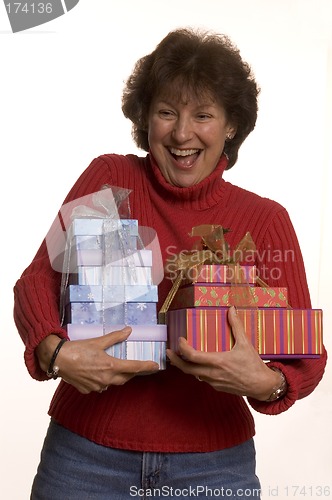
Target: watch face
column 277, row 394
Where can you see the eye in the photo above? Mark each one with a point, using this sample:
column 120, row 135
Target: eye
column 166, row 113
column 203, row 116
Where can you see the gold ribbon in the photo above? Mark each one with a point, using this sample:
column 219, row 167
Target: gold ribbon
column 211, row 249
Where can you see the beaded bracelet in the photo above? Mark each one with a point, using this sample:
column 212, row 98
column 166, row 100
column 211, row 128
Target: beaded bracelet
column 53, row 371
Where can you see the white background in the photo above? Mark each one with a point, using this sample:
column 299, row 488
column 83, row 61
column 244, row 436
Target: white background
column 60, row 107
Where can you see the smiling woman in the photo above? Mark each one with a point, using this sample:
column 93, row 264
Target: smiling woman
column 187, row 138
column 204, row 69
column 192, row 103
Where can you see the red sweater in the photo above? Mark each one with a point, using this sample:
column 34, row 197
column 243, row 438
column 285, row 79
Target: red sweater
column 169, row 411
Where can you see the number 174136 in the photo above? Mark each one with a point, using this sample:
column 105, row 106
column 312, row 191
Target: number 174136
column 29, row 8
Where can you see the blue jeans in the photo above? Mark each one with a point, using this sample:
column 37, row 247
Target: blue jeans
column 74, row 468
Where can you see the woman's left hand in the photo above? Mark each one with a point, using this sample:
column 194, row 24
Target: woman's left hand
column 239, row 371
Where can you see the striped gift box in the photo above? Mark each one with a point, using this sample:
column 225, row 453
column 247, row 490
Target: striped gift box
column 274, row 332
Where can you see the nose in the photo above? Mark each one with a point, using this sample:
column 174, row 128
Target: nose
column 182, row 130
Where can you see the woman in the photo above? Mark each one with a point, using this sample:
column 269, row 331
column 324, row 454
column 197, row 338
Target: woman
column 187, row 429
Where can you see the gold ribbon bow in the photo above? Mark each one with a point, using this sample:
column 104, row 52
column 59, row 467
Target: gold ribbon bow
column 211, row 249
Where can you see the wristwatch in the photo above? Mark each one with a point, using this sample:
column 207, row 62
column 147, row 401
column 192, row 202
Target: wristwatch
column 280, row 390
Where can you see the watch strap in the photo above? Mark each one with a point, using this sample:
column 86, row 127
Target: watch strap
column 280, row 390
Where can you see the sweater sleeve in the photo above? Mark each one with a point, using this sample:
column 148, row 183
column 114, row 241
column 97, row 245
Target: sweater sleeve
column 283, row 266
column 37, row 291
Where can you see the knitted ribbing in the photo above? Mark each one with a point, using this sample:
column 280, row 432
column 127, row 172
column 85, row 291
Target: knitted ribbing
column 168, row 411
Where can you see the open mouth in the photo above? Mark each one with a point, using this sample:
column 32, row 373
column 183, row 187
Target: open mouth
column 185, row 157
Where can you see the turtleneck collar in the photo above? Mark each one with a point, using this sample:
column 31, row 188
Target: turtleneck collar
column 201, row 196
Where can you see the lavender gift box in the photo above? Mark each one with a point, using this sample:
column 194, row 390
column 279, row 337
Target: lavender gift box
column 86, row 226
column 139, row 258
column 95, row 242
column 131, row 313
column 116, row 293
column 110, row 275
column 145, row 343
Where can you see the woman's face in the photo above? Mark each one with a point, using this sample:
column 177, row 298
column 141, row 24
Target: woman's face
column 187, row 137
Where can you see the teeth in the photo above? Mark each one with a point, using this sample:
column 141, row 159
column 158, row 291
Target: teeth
column 183, row 152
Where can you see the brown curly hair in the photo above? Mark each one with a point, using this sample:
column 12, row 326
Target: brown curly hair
column 200, row 62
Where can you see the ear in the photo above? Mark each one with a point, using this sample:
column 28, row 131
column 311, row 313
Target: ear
column 231, row 131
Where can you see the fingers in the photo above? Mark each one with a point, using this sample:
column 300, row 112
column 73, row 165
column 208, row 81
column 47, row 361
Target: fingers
column 112, row 372
column 235, row 371
column 200, row 357
column 123, row 370
column 112, row 338
column 127, row 366
column 190, row 354
column 134, row 367
column 182, row 364
column 237, row 326
column 191, row 361
column 89, row 367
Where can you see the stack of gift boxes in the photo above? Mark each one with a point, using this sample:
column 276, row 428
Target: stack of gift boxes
column 108, row 285
column 199, row 309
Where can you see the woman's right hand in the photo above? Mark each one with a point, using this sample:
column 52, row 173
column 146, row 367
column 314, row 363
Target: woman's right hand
column 85, row 364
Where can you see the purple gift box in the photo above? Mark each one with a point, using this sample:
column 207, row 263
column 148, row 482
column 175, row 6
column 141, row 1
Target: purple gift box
column 131, row 313
column 142, row 333
column 116, row 293
column 145, row 343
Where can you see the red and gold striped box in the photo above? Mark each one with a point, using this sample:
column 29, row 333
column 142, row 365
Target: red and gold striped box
column 207, row 295
column 274, row 332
